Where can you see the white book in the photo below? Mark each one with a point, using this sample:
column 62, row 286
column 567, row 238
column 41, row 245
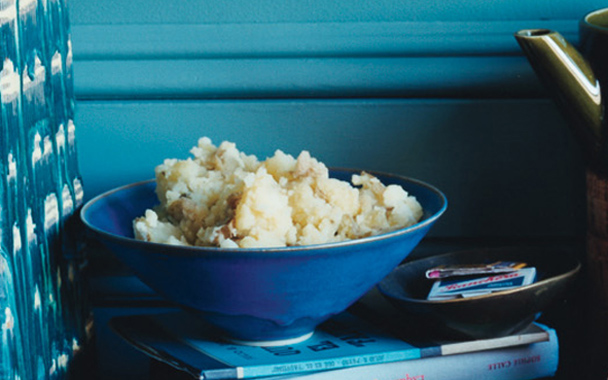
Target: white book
column 526, row 362
column 346, row 346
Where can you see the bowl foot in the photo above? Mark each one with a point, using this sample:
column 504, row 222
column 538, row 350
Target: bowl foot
column 271, row 343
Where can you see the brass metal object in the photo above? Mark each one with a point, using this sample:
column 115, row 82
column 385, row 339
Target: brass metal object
column 576, row 80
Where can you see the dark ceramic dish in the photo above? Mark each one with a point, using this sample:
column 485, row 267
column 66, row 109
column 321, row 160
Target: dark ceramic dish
column 259, row 296
column 485, row 316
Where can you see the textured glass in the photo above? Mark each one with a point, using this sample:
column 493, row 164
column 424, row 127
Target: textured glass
column 42, row 309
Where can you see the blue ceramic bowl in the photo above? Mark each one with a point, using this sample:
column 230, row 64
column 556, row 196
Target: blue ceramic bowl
column 266, row 296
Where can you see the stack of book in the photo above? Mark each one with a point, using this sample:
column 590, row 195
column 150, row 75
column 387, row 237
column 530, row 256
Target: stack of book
column 349, row 346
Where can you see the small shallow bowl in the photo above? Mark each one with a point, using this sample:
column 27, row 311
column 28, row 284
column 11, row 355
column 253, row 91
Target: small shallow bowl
column 258, row 296
column 486, row 316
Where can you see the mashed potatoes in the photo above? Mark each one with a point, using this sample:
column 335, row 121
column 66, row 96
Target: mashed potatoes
column 222, row 197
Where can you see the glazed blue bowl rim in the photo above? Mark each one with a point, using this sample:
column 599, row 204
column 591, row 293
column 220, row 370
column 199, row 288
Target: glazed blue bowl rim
column 164, row 249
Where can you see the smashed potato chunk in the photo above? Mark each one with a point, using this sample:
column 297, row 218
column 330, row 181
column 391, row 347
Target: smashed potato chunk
column 222, row 197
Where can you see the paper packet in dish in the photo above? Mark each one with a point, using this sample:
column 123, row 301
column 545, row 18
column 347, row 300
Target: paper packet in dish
column 474, row 286
column 443, row 271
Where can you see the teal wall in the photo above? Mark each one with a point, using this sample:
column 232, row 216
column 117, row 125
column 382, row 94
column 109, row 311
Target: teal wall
column 436, row 90
column 507, row 166
column 306, row 11
column 433, row 89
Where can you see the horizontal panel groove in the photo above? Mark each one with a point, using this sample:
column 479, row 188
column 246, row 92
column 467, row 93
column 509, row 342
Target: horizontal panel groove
column 320, row 60
column 415, row 77
column 361, row 39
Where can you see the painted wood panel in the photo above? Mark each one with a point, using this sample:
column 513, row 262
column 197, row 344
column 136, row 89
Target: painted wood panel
column 234, row 49
column 270, row 11
column 314, row 39
column 418, row 77
column 433, row 89
column 404, row 59
column 508, row 167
